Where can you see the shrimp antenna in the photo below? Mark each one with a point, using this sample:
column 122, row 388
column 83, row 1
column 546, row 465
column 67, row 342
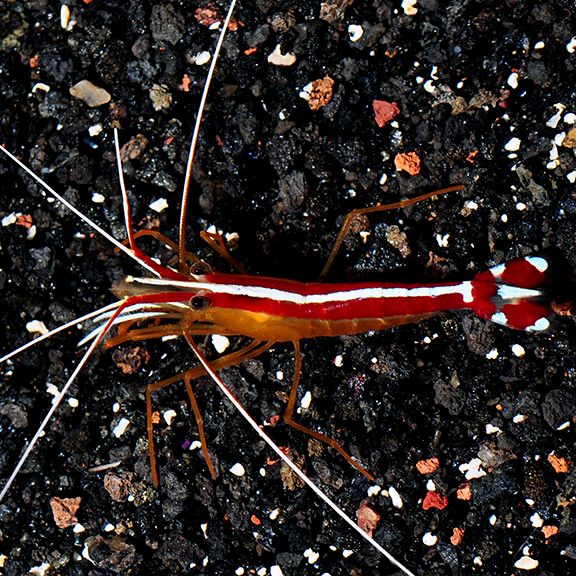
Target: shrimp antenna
column 78, row 213
column 195, row 134
column 57, row 401
column 314, row 487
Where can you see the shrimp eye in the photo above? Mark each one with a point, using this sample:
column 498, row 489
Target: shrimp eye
column 198, row 303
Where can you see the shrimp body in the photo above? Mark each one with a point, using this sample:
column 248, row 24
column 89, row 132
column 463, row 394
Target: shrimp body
column 269, row 309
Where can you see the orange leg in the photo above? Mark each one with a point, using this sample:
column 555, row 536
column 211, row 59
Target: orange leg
column 361, row 211
column 252, row 350
column 187, row 257
column 217, row 244
column 288, row 416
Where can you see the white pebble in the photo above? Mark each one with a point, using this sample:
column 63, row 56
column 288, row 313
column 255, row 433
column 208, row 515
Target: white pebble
column 220, row 343
column 374, row 490
column 121, row 427
column 490, row 429
column 306, row 400
column 571, row 176
column 36, row 327
column 274, row 514
column 539, row 45
column 238, row 470
column 429, row 539
column 571, row 46
column 513, row 145
column 504, row 218
column 159, row 205
column 553, row 121
column 355, row 32
column 519, row 418
column 279, row 59
column 442, row 240
column 95, row 130
column 471, row 205
column 40, row 86
column 513, row 80
column 429, row 86
column 64, row 16
column 472, row 470
column 311, row 555
column 202, row 58
column 492, row 355
column 395, row 497
column 537, row 520
column 559, row 138
column 518, row 350
column 526, row 563
column 98, row 198
column 570, row 118
column 520, row 206
column 409, row 7
column 169, row 415
column 10, row 219
column 339, row 361
column 73, row 402
column 276, row 570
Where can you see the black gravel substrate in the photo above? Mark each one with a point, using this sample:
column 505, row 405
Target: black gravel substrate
column 486, row 98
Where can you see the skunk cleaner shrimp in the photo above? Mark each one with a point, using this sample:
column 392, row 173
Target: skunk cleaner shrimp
column 184, row 297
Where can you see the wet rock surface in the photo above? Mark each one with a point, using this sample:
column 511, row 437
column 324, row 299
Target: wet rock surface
column 484, row 93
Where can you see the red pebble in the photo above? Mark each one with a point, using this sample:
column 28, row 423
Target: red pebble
column 434, row 500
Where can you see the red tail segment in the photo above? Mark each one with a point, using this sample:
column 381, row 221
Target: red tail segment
column 509, row 294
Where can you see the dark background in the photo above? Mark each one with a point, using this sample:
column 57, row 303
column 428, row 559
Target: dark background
column 283, row 185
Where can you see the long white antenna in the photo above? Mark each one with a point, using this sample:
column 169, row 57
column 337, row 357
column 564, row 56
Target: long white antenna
column 77, row 212
column 194, row 141
column 315, row 488
column 51, row 333
column 55, row 403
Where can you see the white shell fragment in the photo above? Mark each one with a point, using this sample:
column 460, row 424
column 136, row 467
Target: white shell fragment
column 311, row 555
column 238, row 470
column 279, row 59
column 355, row 32
column 518, row 350
column 526, row 563
column 409, row 7
column 472, row 469
column 513, row 80
column 202, row 58
column 306, row 400
column 169, row 415
column 121, row 427
column 36, row 327
column 513, row 145
column 158, row 205
column 536, row 520
column 220, row 343
column 40, row 86
column 395, row 497
column 64, row 16
column 90, row 94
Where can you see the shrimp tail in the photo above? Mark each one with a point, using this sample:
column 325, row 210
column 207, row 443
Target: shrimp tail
column 512, row 294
